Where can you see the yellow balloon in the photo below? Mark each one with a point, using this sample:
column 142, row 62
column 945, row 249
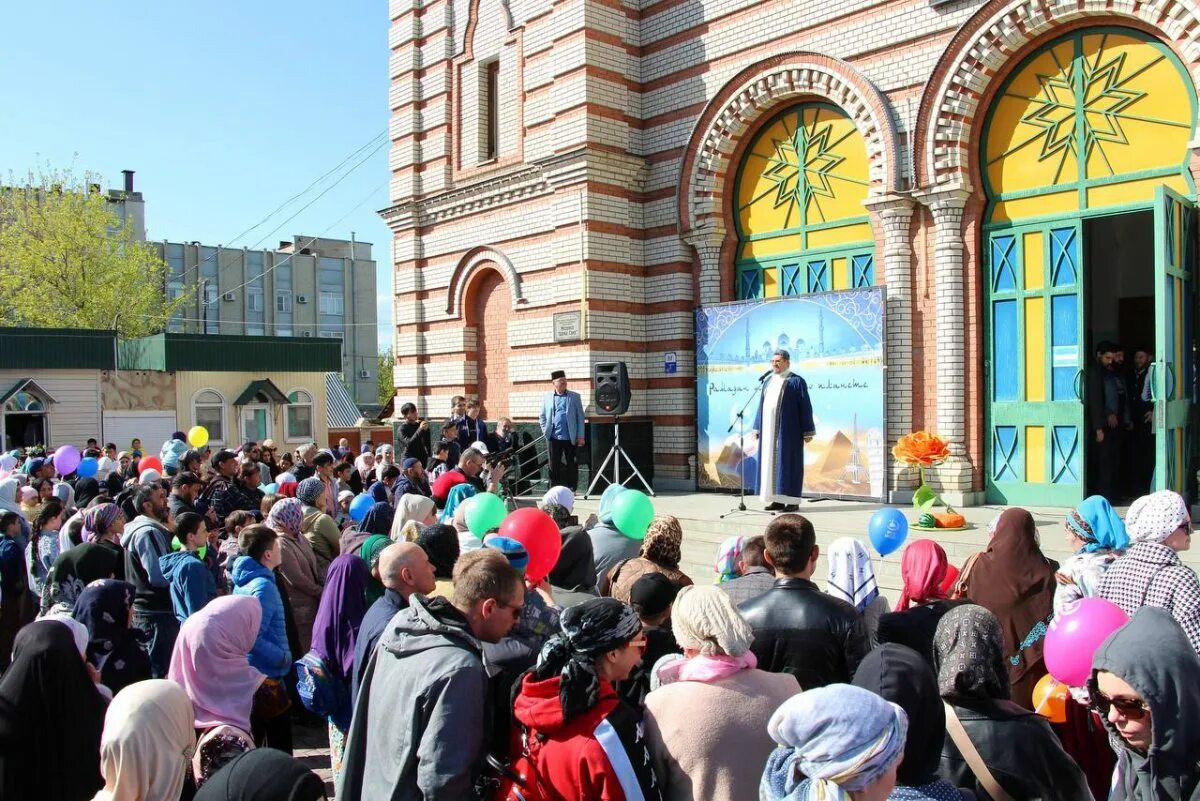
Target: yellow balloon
column 198, row 436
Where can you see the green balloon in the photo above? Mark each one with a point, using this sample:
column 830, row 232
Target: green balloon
column 485, row 513
column 632, row 513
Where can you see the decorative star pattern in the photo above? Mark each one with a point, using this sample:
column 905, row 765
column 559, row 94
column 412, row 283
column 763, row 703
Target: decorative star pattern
column 802, row 166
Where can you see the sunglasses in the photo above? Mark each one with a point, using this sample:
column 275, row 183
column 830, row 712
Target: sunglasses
column 1129, row 708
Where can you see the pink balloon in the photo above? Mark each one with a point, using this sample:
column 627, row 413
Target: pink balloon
column 1075, row 635
column 66, row 459
column 538, row 532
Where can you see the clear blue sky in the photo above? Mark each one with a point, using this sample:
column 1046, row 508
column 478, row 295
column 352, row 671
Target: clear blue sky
column 225, row 110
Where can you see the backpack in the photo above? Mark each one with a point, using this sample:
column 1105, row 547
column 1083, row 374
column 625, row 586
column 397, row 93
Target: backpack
column 320, row 692
column 517, row 780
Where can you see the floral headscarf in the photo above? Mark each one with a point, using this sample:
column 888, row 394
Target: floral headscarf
column 663, row 542
column 287, row 517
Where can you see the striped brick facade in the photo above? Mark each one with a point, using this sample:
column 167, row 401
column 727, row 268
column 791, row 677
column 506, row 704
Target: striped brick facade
column 620, row 125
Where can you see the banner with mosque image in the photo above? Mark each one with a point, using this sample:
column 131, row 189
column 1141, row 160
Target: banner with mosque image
column 836, row 343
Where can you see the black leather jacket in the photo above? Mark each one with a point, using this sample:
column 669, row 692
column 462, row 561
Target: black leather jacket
column 1019, row 749
column 800, row 630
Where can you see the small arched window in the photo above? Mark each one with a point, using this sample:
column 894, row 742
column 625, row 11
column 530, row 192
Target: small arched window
column 299, row 418
column 208, row 410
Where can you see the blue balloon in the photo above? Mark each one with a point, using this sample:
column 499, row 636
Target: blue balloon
column 87, row 467
column 888, row 530
column 359, row 507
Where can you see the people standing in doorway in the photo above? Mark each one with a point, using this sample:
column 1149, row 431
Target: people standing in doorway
column 1106, row 415
column 561, row 421
column 1140, row 460
column 784, row 424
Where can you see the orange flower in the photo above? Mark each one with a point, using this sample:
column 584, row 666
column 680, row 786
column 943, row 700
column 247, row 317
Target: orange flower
column 921, row 449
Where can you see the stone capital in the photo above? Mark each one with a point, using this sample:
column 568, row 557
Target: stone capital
column 891, row 206
column 943, row 202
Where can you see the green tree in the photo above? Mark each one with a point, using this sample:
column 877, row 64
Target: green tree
column 67, row 260
column 387, row 361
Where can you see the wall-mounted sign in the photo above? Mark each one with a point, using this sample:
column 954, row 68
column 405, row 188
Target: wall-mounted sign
column 567, row 326
column 670, row 363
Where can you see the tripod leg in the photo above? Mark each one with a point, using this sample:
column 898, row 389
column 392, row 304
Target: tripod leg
column 599, row 474
column 636, row 472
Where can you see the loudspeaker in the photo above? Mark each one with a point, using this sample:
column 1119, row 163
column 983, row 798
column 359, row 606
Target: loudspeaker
column 610, row 388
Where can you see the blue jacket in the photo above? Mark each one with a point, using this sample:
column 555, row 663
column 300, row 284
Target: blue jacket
column 574, row 415
column 270, row 654
column 192, row 584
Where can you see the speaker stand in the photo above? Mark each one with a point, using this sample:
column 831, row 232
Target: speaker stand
column 615, row 454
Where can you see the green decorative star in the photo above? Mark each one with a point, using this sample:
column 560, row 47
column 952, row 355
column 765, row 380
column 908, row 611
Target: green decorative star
column 801, row 167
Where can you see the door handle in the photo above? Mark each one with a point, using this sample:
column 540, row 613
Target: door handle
column 1152, row 381
column 1169, row 388
column 1075, row 384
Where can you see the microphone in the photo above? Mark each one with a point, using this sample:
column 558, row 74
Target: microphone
column 764, row 375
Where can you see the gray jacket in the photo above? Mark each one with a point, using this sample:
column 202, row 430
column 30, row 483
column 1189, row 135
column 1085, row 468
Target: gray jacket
column 609, row 547
column 1154, row 657
column 418, row 731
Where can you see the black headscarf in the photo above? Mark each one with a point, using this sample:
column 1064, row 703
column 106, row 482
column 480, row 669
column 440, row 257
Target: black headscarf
column 51, row 717
column 899, row 674
column 378, row 520
column 440, row 543
column 76, row 568
column 114, row 647
column 586, row 632
column 114, row 482
column 85, row 490
column 263, row 774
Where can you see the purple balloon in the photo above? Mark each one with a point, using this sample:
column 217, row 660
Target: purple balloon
column 66, row 460
column 1075, row 635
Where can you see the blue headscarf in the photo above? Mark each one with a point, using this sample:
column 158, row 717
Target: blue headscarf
column 1099, row 525
column 607, row 498
column 457, row 495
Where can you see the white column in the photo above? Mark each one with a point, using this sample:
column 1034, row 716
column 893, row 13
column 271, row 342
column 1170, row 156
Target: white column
column 708, row 248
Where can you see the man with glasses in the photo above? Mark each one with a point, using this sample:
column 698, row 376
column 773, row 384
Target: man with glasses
column 420, row 716
column 1146, row 689
column 1151, row 573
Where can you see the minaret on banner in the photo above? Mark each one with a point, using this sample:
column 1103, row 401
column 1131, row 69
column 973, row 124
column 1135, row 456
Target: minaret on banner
column 854, row 470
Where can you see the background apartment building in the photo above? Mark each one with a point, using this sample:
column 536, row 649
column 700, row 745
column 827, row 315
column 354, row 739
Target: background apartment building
column 309, row 287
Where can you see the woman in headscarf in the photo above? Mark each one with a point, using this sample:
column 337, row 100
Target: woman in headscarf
column 660, row 553
column 65, row 494
column 414, row 509
column 318, row 526
column 835, row 742
column 147, row 740
column 440, row 544
column 210, row 663
column 51, row 716
column 568, row 696
column 1016, row 745
column 898, row 674
column 729, row 559
column 1015, row 582
column 923, row 570
column 16, row 607
column 8, row 503
column 263, row 775
column 364, row 471
column 704, row 722
column 852, row 579
column 85, row 490
column 102, row 523
column 458, row 494
column 1151, row 573
column 114, row 647
column 339, row 616
column 560, row 495
column 378, row 519
column 1096, row 536
column 73, row 570
column 371, row 550
column 300, row 569
column 574, row 574
column 609, row 546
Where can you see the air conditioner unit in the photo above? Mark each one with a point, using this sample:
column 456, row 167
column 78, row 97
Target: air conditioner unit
column 306, row 334
column 302, row 298
column 363, row 374
column 230, row 296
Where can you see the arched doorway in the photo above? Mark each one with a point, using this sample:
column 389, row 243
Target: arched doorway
column 798, row 206
column 1088, row 237
column 490, row 306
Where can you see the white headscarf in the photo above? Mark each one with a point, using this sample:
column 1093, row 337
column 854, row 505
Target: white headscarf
column 147, row 742
column 65, row 493
column 562, row 496
column 410, row 507
column 8, row 496
column 851, row 576
column 364, row 464
column 1154, row 517
column 78, row 630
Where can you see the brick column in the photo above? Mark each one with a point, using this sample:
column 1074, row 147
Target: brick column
column 708, row 247
column 953, row 478
column 891, row 215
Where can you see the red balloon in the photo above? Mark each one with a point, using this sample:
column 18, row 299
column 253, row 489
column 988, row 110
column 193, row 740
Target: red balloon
column 150, row 462
column 538, row 532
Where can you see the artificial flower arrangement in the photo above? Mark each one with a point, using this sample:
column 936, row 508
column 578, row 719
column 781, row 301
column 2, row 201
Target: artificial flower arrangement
column 921, row 449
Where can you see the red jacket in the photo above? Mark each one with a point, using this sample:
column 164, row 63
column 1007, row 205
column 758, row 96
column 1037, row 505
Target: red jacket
column 599, row 755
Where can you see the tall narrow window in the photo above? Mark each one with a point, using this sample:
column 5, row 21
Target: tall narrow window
column 491, row 110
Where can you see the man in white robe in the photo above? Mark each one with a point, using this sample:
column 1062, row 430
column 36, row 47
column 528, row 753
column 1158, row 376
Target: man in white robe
column 784, row 424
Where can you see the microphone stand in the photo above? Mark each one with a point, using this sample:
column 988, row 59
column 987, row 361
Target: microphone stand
column 740, row 422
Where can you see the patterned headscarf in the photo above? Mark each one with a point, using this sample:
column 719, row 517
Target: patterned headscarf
column 310, row 491
column 1153, row 518
column 663, row 542
column 586, row 632
column 833, row 740
column 1095, row 522
column 923, row 569
column 851, row 576
column 97, row 519
column 728, row 556
column 286, row 517
column 968, row 653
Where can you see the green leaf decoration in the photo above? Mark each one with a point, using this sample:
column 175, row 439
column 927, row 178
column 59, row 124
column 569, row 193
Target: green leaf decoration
column 924, row 497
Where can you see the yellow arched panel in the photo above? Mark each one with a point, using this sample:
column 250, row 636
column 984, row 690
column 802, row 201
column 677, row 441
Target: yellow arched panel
column 807, row 167
column 1087, row 120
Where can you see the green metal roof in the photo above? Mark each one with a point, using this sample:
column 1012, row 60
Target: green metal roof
column 58, row 349
column 261, row 391
column 221, row 353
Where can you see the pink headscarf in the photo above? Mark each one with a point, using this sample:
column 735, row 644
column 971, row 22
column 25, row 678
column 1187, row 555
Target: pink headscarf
column 286, row 517
column 923, row 568
column 209, row 661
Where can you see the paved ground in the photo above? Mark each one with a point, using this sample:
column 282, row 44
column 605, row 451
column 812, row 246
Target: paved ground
column 312, row 748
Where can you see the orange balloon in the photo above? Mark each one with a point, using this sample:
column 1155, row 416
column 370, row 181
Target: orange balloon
column 1050, row 699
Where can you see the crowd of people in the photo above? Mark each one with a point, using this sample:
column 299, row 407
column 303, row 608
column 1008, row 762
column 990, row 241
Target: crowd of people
column 162, row 631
